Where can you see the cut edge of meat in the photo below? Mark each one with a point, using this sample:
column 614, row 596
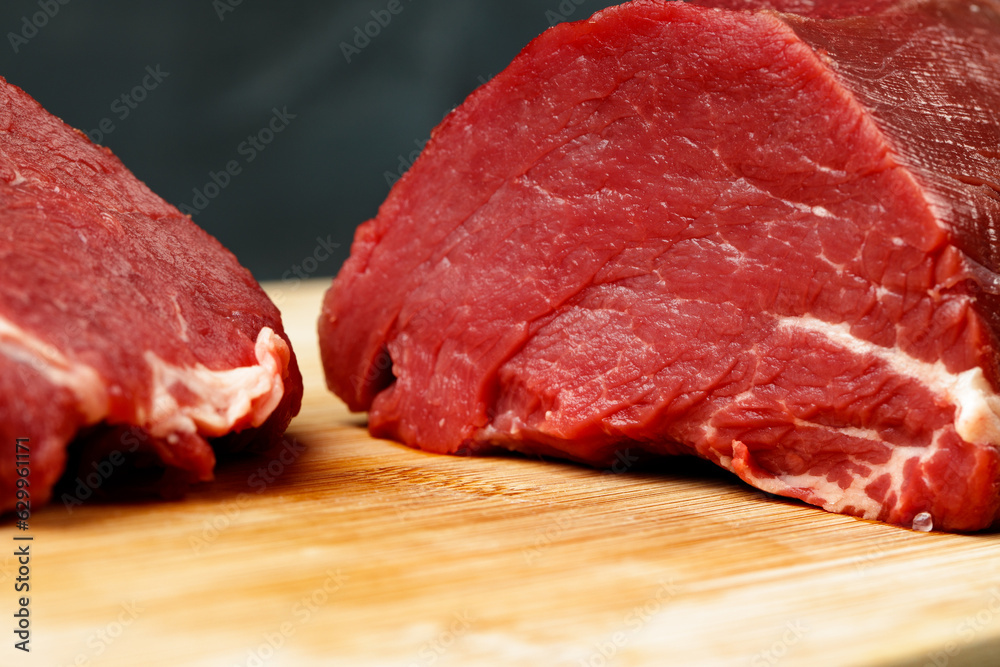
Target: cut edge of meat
column 976, row 403
column 231, row 399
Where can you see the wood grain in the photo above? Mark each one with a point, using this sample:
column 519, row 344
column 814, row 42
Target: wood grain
column 363, row 552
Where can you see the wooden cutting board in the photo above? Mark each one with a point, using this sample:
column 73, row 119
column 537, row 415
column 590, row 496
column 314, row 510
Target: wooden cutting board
column 346, row 550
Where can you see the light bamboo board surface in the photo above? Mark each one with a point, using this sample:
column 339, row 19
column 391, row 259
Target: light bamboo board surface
column 363, row 552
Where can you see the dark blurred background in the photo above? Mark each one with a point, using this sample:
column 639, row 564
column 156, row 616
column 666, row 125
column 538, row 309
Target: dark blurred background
column 180, row 90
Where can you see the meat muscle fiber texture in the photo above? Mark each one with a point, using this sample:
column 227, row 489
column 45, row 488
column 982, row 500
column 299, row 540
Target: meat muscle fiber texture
column 765, row 238
column 121, row 321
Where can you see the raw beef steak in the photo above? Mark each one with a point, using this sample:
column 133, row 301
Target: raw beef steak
column 120, row 319
column 763, row 238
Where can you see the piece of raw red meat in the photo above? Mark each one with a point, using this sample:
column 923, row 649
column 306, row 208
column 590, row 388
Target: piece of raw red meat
column 121, row 321
column 767, row 239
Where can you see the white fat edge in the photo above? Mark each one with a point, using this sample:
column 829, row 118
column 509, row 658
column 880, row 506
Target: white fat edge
column 82, row 380
column 832, row 497
column 225, row 397
column 977, row 405
column 836, row 499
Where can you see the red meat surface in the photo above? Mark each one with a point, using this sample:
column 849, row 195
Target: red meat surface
column 120, row 319
column 764, row 238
